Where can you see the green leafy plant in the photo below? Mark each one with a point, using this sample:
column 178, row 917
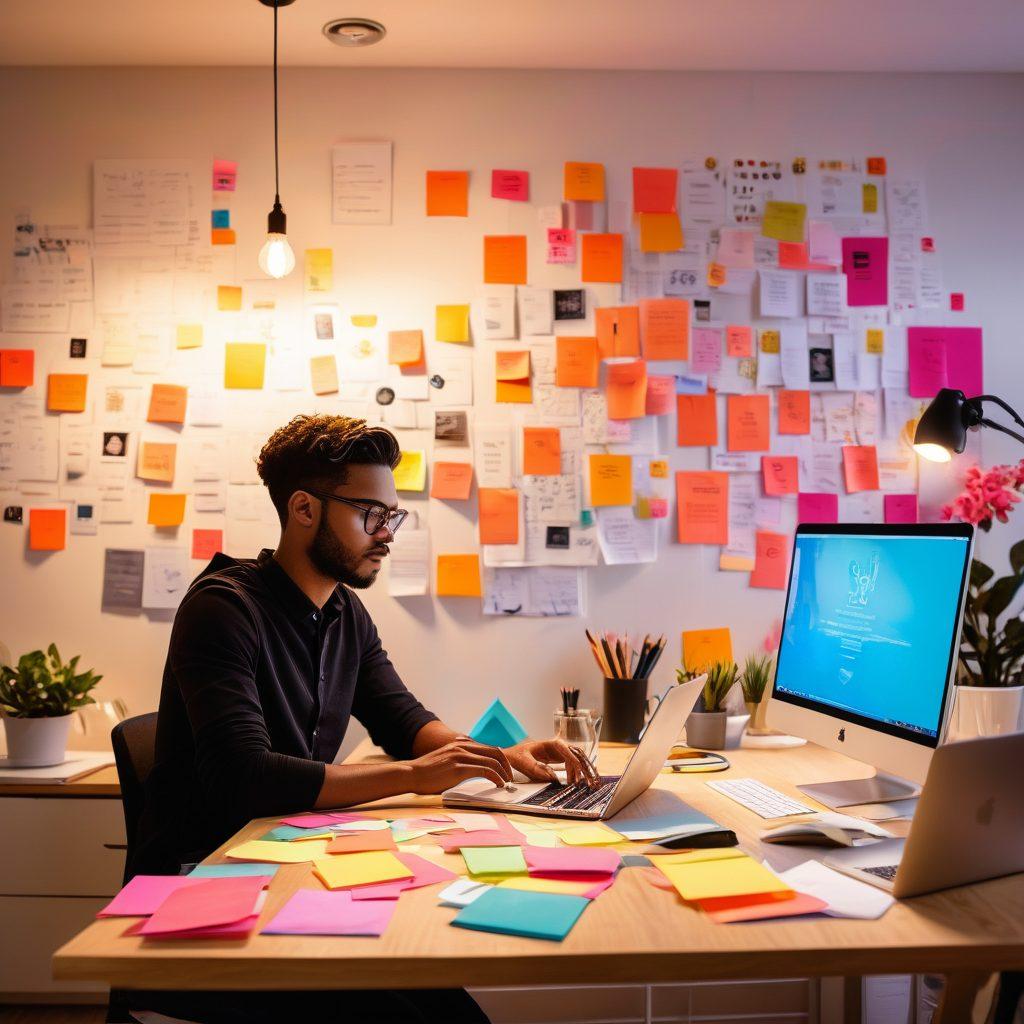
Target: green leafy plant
column 992, row 654
column 757, row 671
column 43, row 686
column 721, row 679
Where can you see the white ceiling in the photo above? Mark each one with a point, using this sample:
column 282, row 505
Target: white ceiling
column 765, row 35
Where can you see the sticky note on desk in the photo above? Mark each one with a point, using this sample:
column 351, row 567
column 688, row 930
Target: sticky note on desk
column 723, row 876
column 351, row 869
column 485, row 861
column 535, row 915
column 279, row 853
column 589, row 835
column 311, row 912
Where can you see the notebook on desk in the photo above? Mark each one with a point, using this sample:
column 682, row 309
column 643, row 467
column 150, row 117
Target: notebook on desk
column 78, row 764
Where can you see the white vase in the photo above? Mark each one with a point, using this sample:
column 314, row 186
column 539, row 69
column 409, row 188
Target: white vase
column 36, row 742
column 985, row 711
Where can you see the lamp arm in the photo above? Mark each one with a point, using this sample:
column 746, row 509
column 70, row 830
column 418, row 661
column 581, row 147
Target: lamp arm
column 1000, row 403
column 1002, row 429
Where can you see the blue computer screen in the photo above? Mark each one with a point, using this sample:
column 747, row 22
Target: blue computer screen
column 869, row 624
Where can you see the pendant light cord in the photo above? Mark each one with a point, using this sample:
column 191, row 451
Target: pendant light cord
column 277, row 183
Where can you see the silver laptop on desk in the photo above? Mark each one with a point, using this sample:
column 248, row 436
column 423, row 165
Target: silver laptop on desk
column 968, row 826
column 554, row 799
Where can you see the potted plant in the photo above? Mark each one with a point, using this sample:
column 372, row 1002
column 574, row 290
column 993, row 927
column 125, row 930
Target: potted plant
column 757, row 673
column 705, row 728
column 37, row 698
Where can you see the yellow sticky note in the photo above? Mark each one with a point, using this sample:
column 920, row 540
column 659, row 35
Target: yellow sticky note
column 737, row 876
column 659, row 469
column 611, row 480
column 703, row 647
column 451, row 323
column 244, row 364
column 280, row 853
column 458, row 576
column 874, row 342
column 229, row 298
column 343, row 871
column 524, row 883
column 589, row 835
column 870, row 198
column 363, row 319
column 189, row 335
column 166, row 509
column 319, row 270
column 324, row 373
column 784, row 221
column 411, row 471
column 770, row 341
column 693, row 856
column 660, row 232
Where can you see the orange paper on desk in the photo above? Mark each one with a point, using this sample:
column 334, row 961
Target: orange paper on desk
column 166, row 509
column 780, row 474
column 578, row 362
column 618, row 331
column 405, row 348
column 229, row 298
column 512, row 376
column 542, row 451
column 702, row 504
column 156, row 461
column 601, row 258
column 244, row 364
column 660, row 232
column 626, row 390
column 771, row 561
column 65, row 392
column 703, row 647
column 748, row 423
column 505, row 259
column 17, row 367
column 499, row 515
column 739, row 341
column 584, row 181
column 167, row 403
column 794, row 412
column 47, row 529
column 458, row 576
column 447, row 193
column 451, row 480
column 665, row 328
column 860, row 467
column 696, row 420
column 611, row 480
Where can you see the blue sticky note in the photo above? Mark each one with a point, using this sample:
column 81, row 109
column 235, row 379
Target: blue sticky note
column 535, row 915
column 498, row 727
column 221, row 218
column 232, row 870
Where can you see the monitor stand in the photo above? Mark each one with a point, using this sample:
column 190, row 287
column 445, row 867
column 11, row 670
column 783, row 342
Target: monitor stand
column 879, row 788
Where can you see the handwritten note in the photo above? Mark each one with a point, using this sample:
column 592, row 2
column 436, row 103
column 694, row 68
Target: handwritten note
column 451, row 480
column 747, row 419
column 447, row 193
column 542, row 451
column 860, row 467
column 505, row 259
column 601, row 258
column 702, row 500
column 611, row 480
column 696, row 420
column 584, row 181
column 577, row 362
column 665, row 328
column 771, row 561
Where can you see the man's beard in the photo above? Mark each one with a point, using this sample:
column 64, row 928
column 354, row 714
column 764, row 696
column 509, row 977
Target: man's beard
column 335, row 562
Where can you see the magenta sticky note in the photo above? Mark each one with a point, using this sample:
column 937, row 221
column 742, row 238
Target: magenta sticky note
column 901, row 508
column 926, row 359
column 235, row 930
column 963, row 357
column 503, row 835
column 562, row 861
column 956, row 301
column 211, row 903
column 866, row 266
column 510, row 185
column 335, row 912
column 817, row 508
column 425, row 873
column 225, row 175
column 144, row 893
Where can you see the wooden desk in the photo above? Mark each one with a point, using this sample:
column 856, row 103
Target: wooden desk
column 102, row 782
column 633, row 933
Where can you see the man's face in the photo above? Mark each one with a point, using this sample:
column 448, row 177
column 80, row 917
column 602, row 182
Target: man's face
column 341, row 548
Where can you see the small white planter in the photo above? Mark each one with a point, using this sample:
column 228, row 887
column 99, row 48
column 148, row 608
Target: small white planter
column 985, row 711
column 36, row 742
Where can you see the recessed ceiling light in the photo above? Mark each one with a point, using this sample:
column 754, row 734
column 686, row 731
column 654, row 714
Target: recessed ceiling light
column 354, row 31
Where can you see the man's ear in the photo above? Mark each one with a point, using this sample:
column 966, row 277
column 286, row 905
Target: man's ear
column 303, row 510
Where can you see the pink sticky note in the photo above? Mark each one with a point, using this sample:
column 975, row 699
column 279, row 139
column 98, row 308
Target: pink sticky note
column 144, row 893
column 510, row 185
column 661, row 395
column 312, row 821
column 559, row 861
column 817, row 508
column 426, row 873
column 225, row 175
column 800, row 904
column 503, row 835
column 706, row 350
column 212, row 903
column 926, row 357
column 317, row 912
column 236, row 930
column 901, row 508
column 561, row 245
column 962, row 348
column 866, row 266
column 956, row 301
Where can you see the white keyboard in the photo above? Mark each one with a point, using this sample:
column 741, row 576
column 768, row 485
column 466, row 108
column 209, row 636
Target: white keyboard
column 759, row 798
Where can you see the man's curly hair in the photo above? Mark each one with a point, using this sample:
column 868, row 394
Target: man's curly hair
column 314, row 451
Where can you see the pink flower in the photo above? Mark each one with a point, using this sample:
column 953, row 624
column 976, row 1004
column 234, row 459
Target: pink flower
column 987, row 495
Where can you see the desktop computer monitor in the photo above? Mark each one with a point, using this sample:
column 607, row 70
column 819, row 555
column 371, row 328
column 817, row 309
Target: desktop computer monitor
column 868, row 650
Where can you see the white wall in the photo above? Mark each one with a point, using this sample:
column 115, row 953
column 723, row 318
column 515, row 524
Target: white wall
column 963, row 134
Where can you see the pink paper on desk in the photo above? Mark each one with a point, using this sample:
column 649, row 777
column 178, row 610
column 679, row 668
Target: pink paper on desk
column 503, row 835
column 311, row 821
column 212, row 903
column 901, row 508
column 866, row 266
column 800, row 904
column 817, row 508
column 236, row 930
column 579, row 861
column 944, row 357
column 144, row 893
column 317, row 912
column 426, row 873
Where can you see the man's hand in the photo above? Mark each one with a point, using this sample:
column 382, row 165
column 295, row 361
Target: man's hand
column 455, row 762
column 534, row 757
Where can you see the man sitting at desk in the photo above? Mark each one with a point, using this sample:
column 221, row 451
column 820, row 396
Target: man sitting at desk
column 269, row 658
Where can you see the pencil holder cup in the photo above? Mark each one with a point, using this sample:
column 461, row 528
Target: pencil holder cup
column 626, row 709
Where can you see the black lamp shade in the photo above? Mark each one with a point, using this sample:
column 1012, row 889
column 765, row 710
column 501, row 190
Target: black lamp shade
column 945, row 421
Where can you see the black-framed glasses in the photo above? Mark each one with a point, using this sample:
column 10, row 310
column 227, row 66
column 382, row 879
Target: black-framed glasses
column 376, row 513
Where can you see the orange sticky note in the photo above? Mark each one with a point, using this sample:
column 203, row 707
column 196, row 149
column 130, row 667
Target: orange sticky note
column 748, row 429
column 244, row 364
column 512, row 376
column 665, row 328
column 206, row 543
column 584, row 181
column 229, row 298
column 458, row 576
column 611, row 480
column 542, row 451
column 781, row 474
column 660, row 392
column 703, row 647
column 601, row 258
column 793, row 256
column 47, row 529
column 167, row 403
column 505, row 259
column 717, row 275
column 794, row 412
column 696, row 420
column 447, row 193
column 65, row 392
column 739, row 341
column 166, row 509
column 626, row 390
column 222, row 236
column 860, row 467
column 499, row 515
column 702, row 502
column 156, row 461
column 771, row 561
column 17, row 367
column 578, row 362
column 659, row 232
column 618, row 331
column 654, row 189
column 405, row 348
column 451, row 480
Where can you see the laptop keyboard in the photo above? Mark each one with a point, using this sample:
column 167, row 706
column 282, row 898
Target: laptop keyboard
column 577, row 797
column 886, row 871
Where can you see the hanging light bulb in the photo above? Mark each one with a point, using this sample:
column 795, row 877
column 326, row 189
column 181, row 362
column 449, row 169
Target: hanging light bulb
column 276, row 258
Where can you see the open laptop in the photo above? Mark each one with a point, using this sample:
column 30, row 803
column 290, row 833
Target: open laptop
column 555, row 799
column 968, row 826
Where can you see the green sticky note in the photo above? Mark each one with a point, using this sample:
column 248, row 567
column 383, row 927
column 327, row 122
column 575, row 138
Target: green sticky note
column 494, row 860
column 535, row 915
column 232, row 870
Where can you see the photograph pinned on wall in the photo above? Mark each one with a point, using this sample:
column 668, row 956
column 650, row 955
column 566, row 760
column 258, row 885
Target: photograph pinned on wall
column 77, row 348
column 323, row 322
column 702, row 311
column 557, row 537
column 822, row 366
column 451, row 428
column 570, row 304
column 115, row 445
column 14, row 514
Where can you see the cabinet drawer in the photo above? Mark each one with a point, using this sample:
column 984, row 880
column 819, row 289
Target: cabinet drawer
column 55, row 847
column 758, row 999
column 590, row 1004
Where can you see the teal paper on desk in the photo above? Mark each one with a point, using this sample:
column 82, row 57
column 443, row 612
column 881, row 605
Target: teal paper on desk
column 239, row 870
column 535, row 915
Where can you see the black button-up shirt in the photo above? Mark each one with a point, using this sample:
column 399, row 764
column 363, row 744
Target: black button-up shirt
column 258, row 689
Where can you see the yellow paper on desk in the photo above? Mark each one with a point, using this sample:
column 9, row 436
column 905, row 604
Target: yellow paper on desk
column 725, row 876
column 556, row 885
column 345, row 870
column 589, row 835
column 279, row 853
column 694, row 856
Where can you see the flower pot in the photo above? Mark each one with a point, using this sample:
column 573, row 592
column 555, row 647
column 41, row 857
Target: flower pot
column 985, row 711
column 758, row 709
column 36, row 742
column 705, row 730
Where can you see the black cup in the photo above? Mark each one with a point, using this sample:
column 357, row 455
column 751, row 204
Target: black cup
column 625, row 710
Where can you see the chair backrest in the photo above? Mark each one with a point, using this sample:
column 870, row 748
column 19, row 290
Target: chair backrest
column 134, row 743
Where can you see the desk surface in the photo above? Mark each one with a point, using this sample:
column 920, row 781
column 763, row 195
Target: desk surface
column 102, row 782
column 634, row 932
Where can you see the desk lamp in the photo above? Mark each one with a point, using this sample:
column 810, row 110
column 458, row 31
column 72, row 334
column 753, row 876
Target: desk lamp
column 942, row 430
